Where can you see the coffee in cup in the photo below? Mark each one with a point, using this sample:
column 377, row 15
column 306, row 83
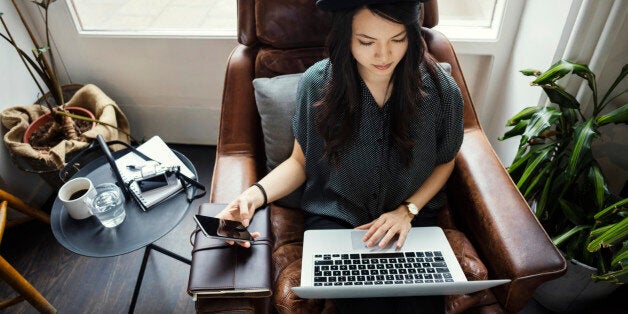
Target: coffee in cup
column 73, row 194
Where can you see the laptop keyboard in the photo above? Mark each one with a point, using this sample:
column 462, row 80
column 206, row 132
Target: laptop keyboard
column 392, row 268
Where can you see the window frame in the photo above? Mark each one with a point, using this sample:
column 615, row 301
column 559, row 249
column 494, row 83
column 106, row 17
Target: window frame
column 174, row 33
column 469, row 33
column 466, row 33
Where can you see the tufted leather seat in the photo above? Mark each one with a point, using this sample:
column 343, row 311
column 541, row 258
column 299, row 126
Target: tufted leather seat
column 488, row 223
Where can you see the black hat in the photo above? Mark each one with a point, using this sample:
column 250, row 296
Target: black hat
column 335, row 5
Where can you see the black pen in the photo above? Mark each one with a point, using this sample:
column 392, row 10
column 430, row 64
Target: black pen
column 112, row 163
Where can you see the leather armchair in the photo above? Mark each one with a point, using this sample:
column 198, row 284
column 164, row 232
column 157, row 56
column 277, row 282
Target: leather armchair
column 488, row 223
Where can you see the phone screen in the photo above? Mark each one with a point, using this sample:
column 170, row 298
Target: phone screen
column 222, row 228
column 151, row 183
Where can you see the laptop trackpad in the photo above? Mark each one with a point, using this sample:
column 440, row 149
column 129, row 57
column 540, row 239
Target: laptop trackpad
column 357, row 244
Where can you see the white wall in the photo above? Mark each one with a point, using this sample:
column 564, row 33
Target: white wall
column 167, row 86
column 538, row 37
column 17, row 88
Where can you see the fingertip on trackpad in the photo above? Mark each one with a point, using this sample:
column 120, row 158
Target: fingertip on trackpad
column 356, row 240
column 358, row 244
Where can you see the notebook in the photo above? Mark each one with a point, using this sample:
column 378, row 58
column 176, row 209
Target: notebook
column 156, row 149
column 337, row 264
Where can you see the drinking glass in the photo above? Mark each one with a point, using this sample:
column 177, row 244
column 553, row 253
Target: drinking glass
column 108, row 205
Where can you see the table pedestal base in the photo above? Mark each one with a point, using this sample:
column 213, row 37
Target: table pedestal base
column 140, row 277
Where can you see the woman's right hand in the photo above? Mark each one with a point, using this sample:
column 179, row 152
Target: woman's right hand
column 242, row 209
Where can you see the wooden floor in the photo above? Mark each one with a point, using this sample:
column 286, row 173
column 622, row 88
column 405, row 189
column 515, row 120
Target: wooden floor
column 78, row 284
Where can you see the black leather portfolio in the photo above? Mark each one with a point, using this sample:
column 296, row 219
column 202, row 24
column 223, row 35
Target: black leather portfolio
column 220, row 270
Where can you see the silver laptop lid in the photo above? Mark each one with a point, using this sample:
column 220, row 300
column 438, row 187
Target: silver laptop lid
column 348, row 241
column 338, row 241
column 446, row 288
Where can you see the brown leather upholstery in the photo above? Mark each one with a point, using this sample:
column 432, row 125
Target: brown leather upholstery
column 489, row 225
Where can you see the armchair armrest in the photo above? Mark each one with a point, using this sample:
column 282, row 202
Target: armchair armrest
column 499, row 222
column 240, row 128
column 238, row 156
column 233, row 173
column 236, row 167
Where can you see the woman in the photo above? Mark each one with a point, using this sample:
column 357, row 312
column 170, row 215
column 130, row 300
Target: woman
column 376, row 127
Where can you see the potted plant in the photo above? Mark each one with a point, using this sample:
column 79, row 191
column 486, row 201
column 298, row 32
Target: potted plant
column 49, row 129
column 56, row 128
column 556, row 171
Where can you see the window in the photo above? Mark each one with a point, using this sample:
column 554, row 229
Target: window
column 470, row 20
column 459, row 20
column 474, row 13
column 155, row 17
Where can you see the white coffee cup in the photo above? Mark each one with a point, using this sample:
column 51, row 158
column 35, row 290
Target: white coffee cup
column 73, row 194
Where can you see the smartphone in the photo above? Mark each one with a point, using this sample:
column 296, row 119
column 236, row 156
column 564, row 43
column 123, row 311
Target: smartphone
column 223, row 228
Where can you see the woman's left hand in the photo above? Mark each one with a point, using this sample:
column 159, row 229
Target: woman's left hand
column 396, row 222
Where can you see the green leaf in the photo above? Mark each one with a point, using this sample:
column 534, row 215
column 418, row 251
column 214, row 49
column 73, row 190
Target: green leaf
column 541, row 176
column 596, row 232
column 600, row 189
column 621, row 258
column 563, row 237
column 556, row 93
column 584, row 72
column 617, row 116
column 559, row 96
column 581, row 154
column 620, row 276
column 519, row 161
column 572, row 211
column 617, row 233
column 530, row 72
column 568, row 118
column 555, row 72
column 523, row 148
column 524, row 114
column 622, row 75
column 534, row 165
column 546, row 194
column 539, row 122
column 560, row 69
column 611, row 209
column 516, row 131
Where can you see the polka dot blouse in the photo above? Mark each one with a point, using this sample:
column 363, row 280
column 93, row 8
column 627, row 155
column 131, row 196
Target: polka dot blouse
column 370, row 178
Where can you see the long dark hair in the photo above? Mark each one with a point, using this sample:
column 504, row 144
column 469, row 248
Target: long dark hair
column 340, row 107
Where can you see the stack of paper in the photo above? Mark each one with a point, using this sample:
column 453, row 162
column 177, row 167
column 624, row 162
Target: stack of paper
column 156, row 149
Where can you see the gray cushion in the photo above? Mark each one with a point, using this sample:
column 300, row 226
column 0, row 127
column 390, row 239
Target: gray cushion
column 275, row 98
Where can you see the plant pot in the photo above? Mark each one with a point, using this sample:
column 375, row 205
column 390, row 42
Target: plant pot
column 47, row 163
column 574, row 291
column 42, row 120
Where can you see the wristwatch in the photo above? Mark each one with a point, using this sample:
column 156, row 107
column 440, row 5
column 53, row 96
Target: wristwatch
column 412, row 209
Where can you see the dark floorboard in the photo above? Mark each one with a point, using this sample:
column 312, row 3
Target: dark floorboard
column 78, row 284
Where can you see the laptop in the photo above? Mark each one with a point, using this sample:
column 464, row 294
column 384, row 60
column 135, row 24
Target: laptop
column 337, row 264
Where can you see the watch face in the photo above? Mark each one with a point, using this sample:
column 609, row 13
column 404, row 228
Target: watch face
column 413, row 209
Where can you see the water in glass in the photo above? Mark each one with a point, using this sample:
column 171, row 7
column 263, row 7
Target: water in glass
column 108, row 205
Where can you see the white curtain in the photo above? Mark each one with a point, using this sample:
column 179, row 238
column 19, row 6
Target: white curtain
column 599, row 38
